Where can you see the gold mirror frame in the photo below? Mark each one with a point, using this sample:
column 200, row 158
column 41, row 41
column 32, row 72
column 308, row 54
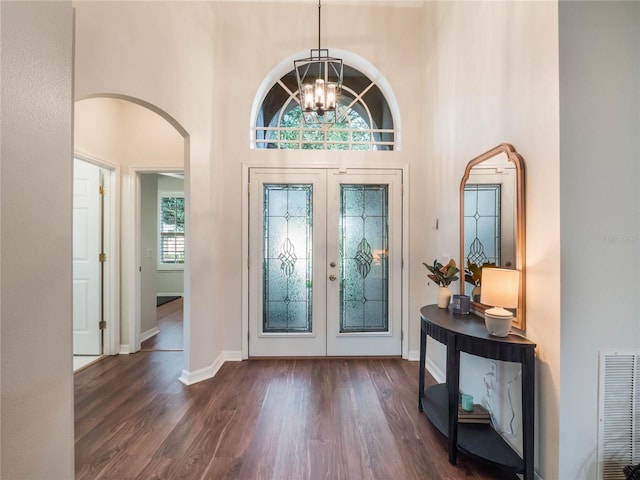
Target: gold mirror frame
column 518, row 161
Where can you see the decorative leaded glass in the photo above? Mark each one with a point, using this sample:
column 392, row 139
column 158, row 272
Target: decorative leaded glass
column 287, row 253
column 482, row 220
column 364, row 252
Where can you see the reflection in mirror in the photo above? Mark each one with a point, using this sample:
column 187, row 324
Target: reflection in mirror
column 492, row 220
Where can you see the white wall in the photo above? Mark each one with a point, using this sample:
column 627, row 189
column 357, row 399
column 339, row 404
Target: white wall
column 600, row 209
column 36, row 206
column 492, row 77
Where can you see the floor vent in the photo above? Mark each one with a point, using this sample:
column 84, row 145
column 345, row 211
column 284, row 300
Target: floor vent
column 618, row 413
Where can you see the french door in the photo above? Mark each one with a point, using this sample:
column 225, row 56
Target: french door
column 325, row 262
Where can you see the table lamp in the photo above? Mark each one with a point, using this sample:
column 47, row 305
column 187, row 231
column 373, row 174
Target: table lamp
column 499, row 290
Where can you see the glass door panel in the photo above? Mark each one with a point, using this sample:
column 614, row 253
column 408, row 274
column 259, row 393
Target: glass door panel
column 363, row 258
column 364, row 236
column 287, row 270
column 287, row 263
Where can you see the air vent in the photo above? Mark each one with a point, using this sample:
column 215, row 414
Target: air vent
column 618, row 414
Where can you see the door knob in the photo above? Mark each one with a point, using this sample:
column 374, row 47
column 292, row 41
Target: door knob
column 332, row 278
column 332, row 264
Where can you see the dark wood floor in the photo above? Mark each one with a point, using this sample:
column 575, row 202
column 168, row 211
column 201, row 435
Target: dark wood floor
column 169, row 318
column 334, row 419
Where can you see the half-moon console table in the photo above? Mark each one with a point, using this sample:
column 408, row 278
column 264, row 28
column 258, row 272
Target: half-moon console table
column 467, row 333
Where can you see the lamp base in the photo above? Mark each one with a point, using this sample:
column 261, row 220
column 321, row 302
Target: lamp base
column 498, row 321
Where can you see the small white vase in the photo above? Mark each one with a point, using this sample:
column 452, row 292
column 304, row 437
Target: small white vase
column 444, row 295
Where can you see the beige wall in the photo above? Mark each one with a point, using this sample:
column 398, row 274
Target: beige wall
column 492, row 77
column 36, row 379
column 600, row 174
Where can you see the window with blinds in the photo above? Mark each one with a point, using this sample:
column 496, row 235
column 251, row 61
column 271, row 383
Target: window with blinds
column 171, row 230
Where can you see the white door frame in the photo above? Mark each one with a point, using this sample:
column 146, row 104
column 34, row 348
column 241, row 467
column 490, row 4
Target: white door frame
column 111, row 279
column 131, row 245
column 374, row 165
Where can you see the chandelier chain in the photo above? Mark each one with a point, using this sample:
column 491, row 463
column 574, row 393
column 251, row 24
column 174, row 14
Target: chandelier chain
column 319, row 13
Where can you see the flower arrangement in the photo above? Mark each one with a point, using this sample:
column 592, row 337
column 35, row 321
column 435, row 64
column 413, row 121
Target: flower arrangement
column 442, row 275
column 473, row 272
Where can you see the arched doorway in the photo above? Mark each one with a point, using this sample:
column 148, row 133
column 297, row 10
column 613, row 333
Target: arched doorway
column 131, row 137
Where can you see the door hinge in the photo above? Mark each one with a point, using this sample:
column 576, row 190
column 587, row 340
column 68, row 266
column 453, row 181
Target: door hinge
column 103, row 190
column 103, row 324
column 102, row 257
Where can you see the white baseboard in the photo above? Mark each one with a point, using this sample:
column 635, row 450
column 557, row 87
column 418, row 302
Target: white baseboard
column 189, row 378
column 124, row 349
column 435, row 372
column 440, row 377
column 414, row 355
column 149, row 333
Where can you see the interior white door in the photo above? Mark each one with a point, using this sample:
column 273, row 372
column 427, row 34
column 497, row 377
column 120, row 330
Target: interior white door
column 325, row 262
column 87, row 231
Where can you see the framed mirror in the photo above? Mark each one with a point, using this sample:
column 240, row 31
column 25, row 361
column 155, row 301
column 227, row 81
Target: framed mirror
column 492, row 222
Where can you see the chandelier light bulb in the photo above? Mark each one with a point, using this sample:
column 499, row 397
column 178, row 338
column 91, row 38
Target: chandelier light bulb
column 319, row 93
column 331, row 96
column 307, row 97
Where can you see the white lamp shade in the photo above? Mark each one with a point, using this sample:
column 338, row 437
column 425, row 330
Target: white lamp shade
column 500, row 287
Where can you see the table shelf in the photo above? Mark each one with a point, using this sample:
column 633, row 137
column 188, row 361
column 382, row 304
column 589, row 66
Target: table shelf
column 475, row 439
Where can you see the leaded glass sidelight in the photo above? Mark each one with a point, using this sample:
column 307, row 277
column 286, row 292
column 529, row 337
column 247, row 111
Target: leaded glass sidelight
column 482, row 220
column 287, row 253
column 364, row 252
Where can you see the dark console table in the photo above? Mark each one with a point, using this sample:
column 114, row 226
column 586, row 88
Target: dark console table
column 467, row 333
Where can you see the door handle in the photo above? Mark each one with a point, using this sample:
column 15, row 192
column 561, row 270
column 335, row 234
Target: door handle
column 332, row 278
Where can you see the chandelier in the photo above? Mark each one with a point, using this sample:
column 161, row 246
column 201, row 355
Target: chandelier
column 319, row 83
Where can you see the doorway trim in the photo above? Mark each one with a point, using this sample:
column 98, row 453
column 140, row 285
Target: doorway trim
column 131, row 252
column 373, row 165
column 111, row 279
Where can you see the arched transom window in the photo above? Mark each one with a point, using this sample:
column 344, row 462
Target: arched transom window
column 364, row 120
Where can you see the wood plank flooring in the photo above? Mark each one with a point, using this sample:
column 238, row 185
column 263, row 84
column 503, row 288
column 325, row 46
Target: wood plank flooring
column 169, row 317
column 294, row 419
